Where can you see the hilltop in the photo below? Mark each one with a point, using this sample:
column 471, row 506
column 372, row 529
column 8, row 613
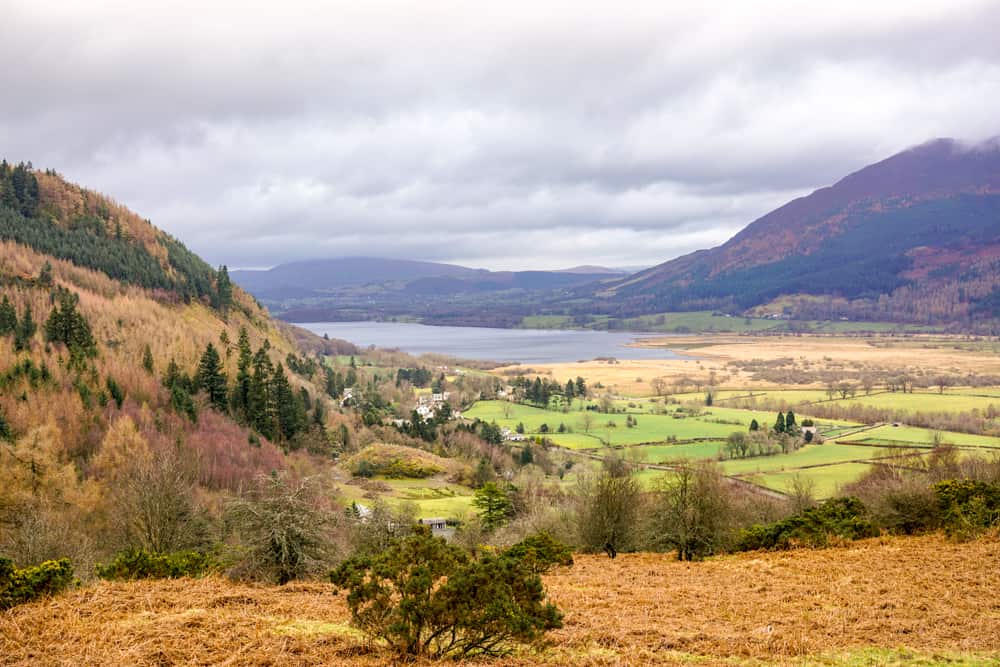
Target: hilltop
column 913, row 238
column 872, row 602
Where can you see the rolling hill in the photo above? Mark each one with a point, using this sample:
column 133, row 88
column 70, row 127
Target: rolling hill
column 913, row 238
column 374, row 288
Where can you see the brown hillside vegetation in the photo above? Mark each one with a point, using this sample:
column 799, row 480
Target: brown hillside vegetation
column 916, row 598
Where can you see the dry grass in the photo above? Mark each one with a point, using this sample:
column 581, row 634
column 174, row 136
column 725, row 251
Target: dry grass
column 711, row 352
column 803, row 607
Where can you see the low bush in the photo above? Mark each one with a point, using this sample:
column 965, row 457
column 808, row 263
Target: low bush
column 540, row 552
column 23, row 585
column 844, row 518
column 141, row 564
column 967, row 506
column 424, row 596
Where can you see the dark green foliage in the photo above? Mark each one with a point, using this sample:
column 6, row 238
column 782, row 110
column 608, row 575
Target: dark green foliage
column 115, row 391
column 212, row 380
column 779, row 423
column 180, row 386
column 426, row 597
column 147, row 359
column 68, row 326
column 291, row 411
column 967, row 506
column 18, row 586
column 86, row 242
column 223, row 290
column 8, row 317
column 241, row 392
column 19, row 188
column 540, row 553
column 790, row 425
column 418, row 377
column 493, row 504
column 845, row 518
column 25, row 330
column 5, row 433
column 754, row 426
column 45, row 275
column 141, row 564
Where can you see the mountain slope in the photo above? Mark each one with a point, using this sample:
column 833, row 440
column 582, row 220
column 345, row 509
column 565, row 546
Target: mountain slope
column 104, row 323
column 888, row 241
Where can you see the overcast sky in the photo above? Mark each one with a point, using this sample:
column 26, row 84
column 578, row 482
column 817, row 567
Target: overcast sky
column 494, row 134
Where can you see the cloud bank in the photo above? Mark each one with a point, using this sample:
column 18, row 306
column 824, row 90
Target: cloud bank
column 501, row 135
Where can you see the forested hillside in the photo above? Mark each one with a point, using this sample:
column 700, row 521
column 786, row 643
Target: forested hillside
column 149, row 409
column 127, row 363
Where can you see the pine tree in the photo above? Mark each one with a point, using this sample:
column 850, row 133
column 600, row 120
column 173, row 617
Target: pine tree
column 68, row 326
column 790, row 425
column 261, row 411
column 224, row 287
column 8, row 317
column 45, row 275
column 25, row 330
column 754, row 426
column 147, row 359
column 241, row 393
column 291, row 411
column 779, row 423
column 212, row 380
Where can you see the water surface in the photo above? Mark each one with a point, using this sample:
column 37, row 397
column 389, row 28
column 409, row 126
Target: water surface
column 529, row 346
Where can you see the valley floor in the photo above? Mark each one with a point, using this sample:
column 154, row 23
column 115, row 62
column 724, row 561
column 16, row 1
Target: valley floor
column 883, row 601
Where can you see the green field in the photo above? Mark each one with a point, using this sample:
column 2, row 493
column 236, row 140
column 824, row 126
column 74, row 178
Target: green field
column 922, row 437
column 809, row 455
column 715, row 423
column 826, row 481
column 924, row 402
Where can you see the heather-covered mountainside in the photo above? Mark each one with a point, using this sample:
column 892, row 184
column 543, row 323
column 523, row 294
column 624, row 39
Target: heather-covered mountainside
column 914, row 238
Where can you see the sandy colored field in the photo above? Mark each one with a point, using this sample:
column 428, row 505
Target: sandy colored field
column 913, row 597
column 712, row 353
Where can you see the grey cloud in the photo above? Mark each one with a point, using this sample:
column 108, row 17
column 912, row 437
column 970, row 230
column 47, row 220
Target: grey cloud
column 504, row 134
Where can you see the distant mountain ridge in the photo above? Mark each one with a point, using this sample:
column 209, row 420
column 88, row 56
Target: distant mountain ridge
column 893, row 240
column 315, row 278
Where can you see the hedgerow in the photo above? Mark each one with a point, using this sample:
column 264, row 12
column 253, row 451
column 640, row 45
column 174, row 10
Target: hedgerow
column 845, row 518
column 23, row 585
column 141, row 564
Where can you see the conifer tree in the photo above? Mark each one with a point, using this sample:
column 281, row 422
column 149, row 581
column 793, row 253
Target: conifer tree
column 212, row 380
column 68, row 326
column 224, row 287
column 779, row 424
column 291, row 412
column 790, row 425
column 25, row 330
column 241, row 392
column 261, row 413
column 8, row 317
column 147, row 359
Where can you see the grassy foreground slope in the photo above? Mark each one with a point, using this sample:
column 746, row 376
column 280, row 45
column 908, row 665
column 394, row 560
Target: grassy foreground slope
column 881, row 601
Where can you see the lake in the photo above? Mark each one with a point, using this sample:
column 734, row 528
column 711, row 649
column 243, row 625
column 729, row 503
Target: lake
column 528, row 346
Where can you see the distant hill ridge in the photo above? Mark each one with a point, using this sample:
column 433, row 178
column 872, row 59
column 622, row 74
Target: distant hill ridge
column 915, row 237
column 313, row 277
